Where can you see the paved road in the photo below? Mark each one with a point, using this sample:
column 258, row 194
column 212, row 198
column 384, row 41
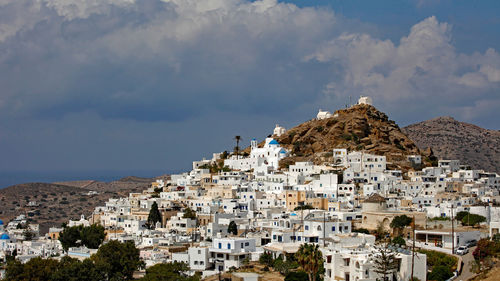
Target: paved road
column 466, row 273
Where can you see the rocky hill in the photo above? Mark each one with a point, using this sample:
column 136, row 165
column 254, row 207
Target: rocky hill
column 55, row 203
column 451, row 139
column 360, row 127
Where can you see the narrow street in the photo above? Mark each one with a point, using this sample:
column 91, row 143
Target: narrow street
column 466, row 273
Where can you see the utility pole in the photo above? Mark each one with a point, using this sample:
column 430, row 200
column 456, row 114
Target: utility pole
column 324, row 229
column 302, row 217
column 413, row 249
column 452, row 232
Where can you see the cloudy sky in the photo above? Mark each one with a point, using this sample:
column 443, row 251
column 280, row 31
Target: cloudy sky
column 141, row 85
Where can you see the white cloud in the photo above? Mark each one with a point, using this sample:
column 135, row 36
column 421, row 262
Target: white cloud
column 424, row 66
column 82, row 9
column 221, row 54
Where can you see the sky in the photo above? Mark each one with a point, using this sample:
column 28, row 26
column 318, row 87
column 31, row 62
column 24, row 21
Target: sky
column 151, row 85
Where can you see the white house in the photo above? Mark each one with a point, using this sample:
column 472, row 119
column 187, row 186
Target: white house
column 231, row 252
column 365, row 100
column 323, row 115
column 278, row 131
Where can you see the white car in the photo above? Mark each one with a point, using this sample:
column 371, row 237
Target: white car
column 462, row 250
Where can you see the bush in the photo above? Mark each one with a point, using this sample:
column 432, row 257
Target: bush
column 440, row 273
column 297, row 276
column 400, row 241
column 304, row 207
column 266, row 259
column 361, row 230
column 437, row 258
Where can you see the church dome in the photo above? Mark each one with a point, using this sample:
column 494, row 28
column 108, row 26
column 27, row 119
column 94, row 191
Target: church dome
column 273, row 142
column 1, row 222
column 4, row 236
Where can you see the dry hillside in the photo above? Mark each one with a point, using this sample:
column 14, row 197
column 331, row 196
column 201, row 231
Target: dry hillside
column 361, row 127
column 451, row 139
column 58, row 202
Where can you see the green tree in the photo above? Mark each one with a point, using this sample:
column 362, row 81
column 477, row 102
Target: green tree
column 232, row 228
column 189, row 214
column 70, row 237
column 266, row 259
column 117, row 260
column 310, row 259
column 237, row 147
column 472, row 219
column 384, row 260
column 154, row 215
column 283, row 266
column 175, row 271
column 28, row 235
column 35, row 269
column 400, row 241
column 70, row 269
column 92, row 236
column 460, row 215
column 440, row 273
column 400, row 222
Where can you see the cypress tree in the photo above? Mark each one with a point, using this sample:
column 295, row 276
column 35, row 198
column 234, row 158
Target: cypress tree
column 154, row 215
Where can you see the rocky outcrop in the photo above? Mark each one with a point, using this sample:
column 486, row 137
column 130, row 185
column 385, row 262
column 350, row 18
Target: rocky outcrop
column 451, row 139
column 360, row 127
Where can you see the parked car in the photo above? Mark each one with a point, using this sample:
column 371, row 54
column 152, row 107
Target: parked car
column 462, row 250
column 471, row 243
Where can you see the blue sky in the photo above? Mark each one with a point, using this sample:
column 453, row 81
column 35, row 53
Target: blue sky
column 147, row 85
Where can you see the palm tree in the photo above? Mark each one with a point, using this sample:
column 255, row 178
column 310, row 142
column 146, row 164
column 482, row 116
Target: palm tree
column 237, row 148
column 310, row 259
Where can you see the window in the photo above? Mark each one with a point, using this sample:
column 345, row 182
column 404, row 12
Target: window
column 247, row 244
column 220, row 245
column 307, row 227
column 333, row 228
column 228, row 246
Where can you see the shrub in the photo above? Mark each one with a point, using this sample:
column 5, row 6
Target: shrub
column 361, row 230
column 399, row 241
column 440, row 273
column 437, row 258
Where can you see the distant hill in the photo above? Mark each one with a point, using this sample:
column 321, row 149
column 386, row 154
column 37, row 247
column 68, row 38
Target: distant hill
column 451, row 139
column 360, row 127
column 58, row 202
